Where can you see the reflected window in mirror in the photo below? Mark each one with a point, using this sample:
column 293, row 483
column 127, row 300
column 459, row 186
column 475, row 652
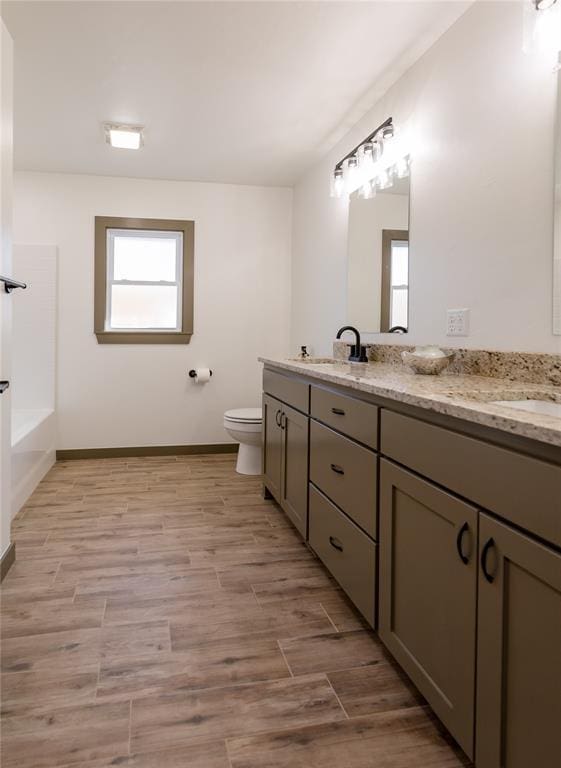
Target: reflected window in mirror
column 395, row 281
column 378, row 260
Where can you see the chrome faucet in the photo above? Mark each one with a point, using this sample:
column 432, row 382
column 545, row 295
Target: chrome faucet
column 358, row 352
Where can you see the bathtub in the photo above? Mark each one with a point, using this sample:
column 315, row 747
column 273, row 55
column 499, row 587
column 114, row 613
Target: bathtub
column 33, row 452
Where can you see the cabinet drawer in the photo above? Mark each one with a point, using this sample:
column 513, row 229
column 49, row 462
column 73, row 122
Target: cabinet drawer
column 291, row 391
column 346, row 551
column 521, row 489
column 354, row 418
column 346, row 472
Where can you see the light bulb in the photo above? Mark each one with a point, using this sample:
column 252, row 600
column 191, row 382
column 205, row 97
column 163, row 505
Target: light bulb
column 543, row 5
column 337, row 183
column 402, row 168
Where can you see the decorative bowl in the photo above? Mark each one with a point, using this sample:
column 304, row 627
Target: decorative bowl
column 429, row 361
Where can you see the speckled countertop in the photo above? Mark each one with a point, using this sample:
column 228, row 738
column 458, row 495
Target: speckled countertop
column 461, row 396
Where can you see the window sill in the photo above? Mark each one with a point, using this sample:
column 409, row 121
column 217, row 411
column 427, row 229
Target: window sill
column 138, row 337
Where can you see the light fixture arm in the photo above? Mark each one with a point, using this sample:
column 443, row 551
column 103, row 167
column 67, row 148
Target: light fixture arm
column 385, row 124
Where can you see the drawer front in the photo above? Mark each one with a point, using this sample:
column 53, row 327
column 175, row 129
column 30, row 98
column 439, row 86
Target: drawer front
column 347, row 473
column 352, row 417
column 521, row 489
column 291, row 391
column 345, row 550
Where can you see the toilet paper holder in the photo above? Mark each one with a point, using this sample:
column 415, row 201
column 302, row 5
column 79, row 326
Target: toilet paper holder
column 193, row 373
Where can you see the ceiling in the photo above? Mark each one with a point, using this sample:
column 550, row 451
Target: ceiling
column 237, row 92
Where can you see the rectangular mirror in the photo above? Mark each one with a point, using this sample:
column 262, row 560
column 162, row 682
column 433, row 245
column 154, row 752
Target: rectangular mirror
column 378, row 260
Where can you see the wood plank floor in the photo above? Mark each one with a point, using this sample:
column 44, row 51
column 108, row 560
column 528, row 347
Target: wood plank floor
column 162, row 614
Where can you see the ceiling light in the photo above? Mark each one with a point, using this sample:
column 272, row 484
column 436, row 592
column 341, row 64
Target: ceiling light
column 124, row 136
column 543, row 5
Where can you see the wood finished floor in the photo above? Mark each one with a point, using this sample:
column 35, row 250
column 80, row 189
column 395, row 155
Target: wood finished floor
column 161, row 614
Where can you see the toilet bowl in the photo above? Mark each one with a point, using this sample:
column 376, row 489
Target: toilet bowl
column 244, row 425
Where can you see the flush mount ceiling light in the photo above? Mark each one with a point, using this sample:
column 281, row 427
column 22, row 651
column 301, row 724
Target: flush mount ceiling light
column 124, row 136
column 373, row 164
column 543, row 5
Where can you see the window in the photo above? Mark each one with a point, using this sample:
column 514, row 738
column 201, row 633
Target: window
column 143, row 281
column 399, row 282
column 395, row 280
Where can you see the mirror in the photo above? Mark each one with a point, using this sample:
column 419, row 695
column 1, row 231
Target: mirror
column 378, row 260
column 557, row 217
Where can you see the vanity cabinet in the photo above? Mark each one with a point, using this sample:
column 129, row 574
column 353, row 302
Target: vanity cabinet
column 519, row 650
column 428, row 589
column 285, row 449
column 447, row 537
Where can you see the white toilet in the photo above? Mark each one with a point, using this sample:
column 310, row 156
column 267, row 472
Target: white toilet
column 244, row 425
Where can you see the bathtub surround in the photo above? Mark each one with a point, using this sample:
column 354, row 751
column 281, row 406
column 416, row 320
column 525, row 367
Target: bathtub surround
column 481, row 210
column 118, row 396
column 6, row 301
column 33, row 377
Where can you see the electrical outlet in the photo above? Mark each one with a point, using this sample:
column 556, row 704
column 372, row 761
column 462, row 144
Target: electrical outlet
column 457, row 322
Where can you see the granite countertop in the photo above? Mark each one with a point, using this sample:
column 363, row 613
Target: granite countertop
column 462, row 396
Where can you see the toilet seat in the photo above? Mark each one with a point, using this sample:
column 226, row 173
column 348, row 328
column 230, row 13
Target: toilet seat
column 244, row 415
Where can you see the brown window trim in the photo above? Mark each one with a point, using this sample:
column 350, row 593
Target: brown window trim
column 387, row 236
column 102, row 224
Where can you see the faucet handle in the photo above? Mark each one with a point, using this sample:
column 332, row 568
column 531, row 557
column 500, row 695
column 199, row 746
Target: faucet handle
column 363, row 357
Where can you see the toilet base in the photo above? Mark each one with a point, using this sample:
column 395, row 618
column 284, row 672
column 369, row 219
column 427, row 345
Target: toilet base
column 249, row 459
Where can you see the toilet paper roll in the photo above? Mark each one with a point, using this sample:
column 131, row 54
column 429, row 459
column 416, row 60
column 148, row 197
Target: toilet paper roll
column 202, row 375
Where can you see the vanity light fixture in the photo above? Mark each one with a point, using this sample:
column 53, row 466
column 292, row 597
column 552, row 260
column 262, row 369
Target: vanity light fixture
column 374, row 163
column 124, row 136
column 543, row 5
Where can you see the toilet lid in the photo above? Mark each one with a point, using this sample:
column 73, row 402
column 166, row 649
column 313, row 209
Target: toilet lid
column 244, row 414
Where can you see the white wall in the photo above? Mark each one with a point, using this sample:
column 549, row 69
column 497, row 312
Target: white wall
column 128, row 395
column 367, row 220
column 6, row 184
column 481, row 114
column 34, row 328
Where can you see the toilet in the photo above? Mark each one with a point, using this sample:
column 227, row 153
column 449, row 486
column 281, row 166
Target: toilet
column 244, row 425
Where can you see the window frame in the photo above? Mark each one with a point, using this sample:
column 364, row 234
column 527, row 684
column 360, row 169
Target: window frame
column 389, row 235
column 101, row 283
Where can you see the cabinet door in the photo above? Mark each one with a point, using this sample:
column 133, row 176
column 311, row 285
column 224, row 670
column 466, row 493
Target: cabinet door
column 427, row 599
column 272, row 444
column 294, row 473
column 519, row 651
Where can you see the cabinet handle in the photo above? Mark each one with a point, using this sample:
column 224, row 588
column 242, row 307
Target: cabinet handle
column 339, row 470
column 338, row 411
column 283, row 420
column 335, row 543
column 278, row 418
column 484, row 552
column 463, row 529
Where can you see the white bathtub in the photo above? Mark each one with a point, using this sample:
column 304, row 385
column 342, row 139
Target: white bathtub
column 33, row 452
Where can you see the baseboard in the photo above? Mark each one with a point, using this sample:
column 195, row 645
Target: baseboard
column 7, row 560
column 145, row 450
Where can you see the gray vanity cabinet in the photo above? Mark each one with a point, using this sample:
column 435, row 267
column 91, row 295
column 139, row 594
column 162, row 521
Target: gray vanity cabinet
column 428, row 590
column 272, row 444
column 285, row 459
column 519, row 650
column 294, row 467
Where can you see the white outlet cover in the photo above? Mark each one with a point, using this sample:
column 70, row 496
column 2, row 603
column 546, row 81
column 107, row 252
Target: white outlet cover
column 457, row 322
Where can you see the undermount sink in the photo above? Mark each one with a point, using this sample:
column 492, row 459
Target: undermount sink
column 542, row 407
